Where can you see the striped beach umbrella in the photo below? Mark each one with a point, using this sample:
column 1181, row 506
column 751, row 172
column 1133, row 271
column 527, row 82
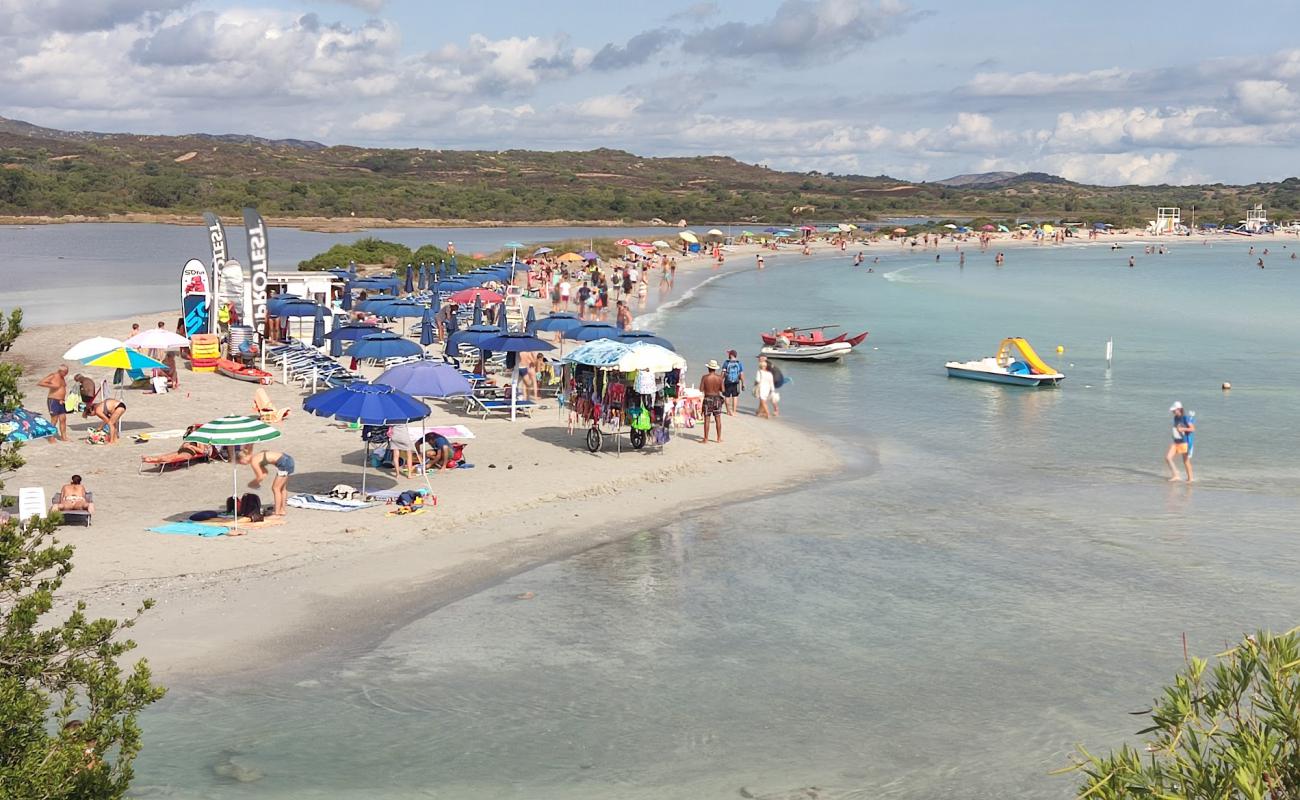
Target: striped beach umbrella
column 233, row 431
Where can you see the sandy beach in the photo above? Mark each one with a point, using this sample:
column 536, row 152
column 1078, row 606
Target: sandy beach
column 326, row 580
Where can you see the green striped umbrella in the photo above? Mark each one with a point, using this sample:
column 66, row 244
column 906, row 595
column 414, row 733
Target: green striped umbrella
column 233, row 431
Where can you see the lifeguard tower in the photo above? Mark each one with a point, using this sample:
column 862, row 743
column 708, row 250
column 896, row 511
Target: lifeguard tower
column 1168, row 220
column 1256, row 219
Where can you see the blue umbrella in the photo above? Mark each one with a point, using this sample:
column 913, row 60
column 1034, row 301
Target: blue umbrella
column 374, row 300
column 591, row 331
column 427, row 328
column 348, row 333
column 502, row 319
column 383, row 345
column 410, row 279
column 590, row 255
column 514, row 343
column 427, row 379
column 471, row 336
column 366, row 404
column 318, row 329
column 424, row 276
column 273, row 304
column 632, row 337
column 352, row 268
column 296, row 307
column 477, row 318
column 395, row 309
column 530, row 320
column 346, row 305
column 559, row 321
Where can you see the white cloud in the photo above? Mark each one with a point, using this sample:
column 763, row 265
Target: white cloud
column 803, row 31
column 1036, row 84
column 1266, row 100
column 609, row 106
column 378, row 121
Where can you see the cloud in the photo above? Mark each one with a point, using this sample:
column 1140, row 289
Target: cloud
column 72, row 16
column 379, row 121
column 609, row 106
column 696, row 12
column 638, row 50
column 805, row 31
column 373, row 6
column 1266, row 101
column 1037, row 84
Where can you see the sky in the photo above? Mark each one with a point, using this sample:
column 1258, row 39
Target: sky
column 1101, row 92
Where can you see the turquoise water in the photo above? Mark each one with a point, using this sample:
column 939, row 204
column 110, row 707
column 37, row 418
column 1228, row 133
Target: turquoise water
column 996, row 574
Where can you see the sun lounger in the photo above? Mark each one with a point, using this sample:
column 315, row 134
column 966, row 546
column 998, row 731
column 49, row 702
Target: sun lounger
column 484, row 406
column 74, row 516
column 265, row 409
column 165, row 460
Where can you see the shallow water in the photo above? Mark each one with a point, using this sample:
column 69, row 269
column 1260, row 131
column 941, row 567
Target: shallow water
column 997, row 573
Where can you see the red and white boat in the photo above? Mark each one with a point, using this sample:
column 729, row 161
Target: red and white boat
column 812, row 337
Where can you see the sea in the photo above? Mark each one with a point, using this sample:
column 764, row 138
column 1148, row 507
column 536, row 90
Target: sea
column 991, row 577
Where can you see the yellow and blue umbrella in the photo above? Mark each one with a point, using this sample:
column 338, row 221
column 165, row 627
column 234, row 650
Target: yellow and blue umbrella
column 123, row 358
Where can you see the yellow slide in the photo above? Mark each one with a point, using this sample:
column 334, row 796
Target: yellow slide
column 1027, row 354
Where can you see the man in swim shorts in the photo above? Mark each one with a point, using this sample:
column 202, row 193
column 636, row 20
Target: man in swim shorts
column 733, row 381
column 55, row 403
column 712, row 386
column 1184, row 433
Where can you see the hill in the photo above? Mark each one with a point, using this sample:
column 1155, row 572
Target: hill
column 44, row 171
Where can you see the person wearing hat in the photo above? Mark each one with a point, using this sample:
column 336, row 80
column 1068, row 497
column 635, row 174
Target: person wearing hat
column 712, row 386
column 1184, row 432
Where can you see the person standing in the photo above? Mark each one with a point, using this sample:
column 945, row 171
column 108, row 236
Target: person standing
column 56, row 402
column 764, row 387
column 712, row 385
column 624, row 318
column 1184, row 433
column 733, row 381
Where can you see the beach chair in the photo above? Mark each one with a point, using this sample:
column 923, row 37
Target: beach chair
column 73, row 516
column 31, row 502
column 485, row 406
column 265, row 409
column 165, row 460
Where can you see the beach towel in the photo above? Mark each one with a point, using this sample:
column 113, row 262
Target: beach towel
column 405, row 511
column 148, row 436
column 452, row 431
column 191, row 529
column 325, row 503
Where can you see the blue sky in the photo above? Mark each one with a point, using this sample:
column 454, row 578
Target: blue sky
column 1103, row 92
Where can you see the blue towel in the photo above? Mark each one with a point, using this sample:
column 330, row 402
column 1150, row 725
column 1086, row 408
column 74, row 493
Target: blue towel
column 191, row 529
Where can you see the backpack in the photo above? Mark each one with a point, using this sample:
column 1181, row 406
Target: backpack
column 733, row 367
column 778, row 379
column 250, row 505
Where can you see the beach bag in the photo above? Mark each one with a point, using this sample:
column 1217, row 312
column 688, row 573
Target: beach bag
column 660, row 435
column 641, row 420
column 250, row 505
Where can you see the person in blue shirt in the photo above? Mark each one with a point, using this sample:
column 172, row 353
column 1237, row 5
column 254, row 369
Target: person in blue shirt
column 1184, row 440
column 733, row 381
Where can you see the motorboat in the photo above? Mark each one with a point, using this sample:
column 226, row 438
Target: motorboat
column 828, row 351
column 812, row 336
column 1016, row 364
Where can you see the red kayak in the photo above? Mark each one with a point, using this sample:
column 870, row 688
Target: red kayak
column 233, row 369
column 811, row 337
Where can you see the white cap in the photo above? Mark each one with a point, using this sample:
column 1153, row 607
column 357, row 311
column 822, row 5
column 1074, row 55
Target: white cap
column 1177, row 406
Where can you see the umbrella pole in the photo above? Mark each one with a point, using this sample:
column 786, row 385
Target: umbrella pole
column 364, row 464
column 514, row 388
column 234, row 485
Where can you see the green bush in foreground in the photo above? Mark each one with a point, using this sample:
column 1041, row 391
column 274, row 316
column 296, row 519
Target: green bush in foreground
column 1232, row 731
column 67, row 708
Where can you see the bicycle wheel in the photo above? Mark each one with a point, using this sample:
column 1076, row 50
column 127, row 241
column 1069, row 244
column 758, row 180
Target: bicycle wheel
column 638, row 439
column 593, row 438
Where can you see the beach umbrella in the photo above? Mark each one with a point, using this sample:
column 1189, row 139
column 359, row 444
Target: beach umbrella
column 503, row 321
column 987, row 227
column 633, row 337
column 410, row 279
column 348, row 333
column 346, row 302
column 427, row 379
column 559, row 321
column 157, row 338
column 660, row 243
column 515, row 343
column 352, row 268
column 421, row 277
column 541, row 251
column 318, row 330
column 366, row 404
column 470, row 337
column 598, row 353
column 514, row 250
column 900, row 230
column 91, row 347
column 808, row 228
column 623, row 242
column 233, row 431
column 375, row 299
column 1003, row 229
column 123, row 358
column 476, row 317
column 383, row 345
column 650, row 357
column 273, row 304
column 21, row 425
column 396, row 309
column 770, row 230
column 591, row 331
column 475, row 295
column 950, row 226
column 571, row 258
column 590, row 255
column 688, row 236
column 427, row 327
column 530, row 319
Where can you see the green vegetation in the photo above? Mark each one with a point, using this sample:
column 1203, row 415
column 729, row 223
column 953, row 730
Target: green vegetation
column 68, row 709
column 45, row 171
column 1221, row 734
column 377, row 252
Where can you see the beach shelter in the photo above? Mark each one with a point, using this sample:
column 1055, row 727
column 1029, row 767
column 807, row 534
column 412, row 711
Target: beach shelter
column 123, row 358
column 601, row 353
column 233, row 431
column 635, row 337
column 349, row 333
column 427, row 379
column 94, row 346
column 515, row 343
column 366, row 404
column 157, row 339
column 383, row 345
column 591, row 331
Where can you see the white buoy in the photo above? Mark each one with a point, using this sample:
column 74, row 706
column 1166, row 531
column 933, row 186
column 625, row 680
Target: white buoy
column 1110, row 351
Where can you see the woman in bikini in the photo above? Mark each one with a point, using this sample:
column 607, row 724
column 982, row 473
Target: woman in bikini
column 110, row 412
column 284, row 467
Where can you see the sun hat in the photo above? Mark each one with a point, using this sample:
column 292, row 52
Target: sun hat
column 1177, row 406
column 712, row 365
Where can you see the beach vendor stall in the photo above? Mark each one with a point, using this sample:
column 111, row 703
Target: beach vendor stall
column 612, row 388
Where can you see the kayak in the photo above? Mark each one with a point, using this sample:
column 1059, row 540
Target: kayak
column 239, row 372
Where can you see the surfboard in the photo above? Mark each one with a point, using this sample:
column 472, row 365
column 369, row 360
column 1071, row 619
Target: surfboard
column 196, row 297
